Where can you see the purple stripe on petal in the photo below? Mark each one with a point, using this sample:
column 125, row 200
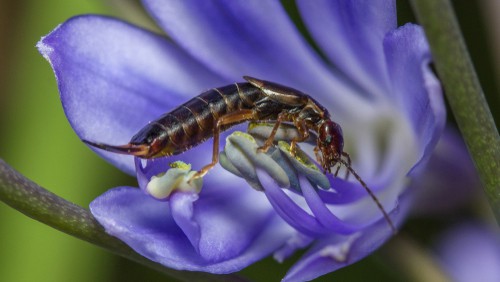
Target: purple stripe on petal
column 257, row 38
column 415, row 86
column 114, row 78
column 351, row 33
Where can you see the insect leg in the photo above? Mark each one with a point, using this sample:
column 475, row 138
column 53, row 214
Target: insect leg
column 319, row 158
column 300, row 124
column 234, row 117
column 270, row 139
column 346, row 155
column 337, row 171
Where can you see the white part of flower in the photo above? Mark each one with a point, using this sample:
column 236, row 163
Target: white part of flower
column 341, row 251
column 177, row 178
column 383, row 149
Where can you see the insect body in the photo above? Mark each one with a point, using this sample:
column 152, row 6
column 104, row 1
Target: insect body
column 255, row 100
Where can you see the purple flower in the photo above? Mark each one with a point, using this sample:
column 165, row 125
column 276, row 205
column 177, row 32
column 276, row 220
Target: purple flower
column 376, row 82
column 470, row 252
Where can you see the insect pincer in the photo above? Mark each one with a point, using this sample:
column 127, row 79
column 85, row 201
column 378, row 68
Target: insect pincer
column 128, row 149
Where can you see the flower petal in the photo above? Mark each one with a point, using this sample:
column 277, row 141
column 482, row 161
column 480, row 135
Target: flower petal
column 231, row 235
column 416, row 88
column 114, row 78
column 351, row 33
column 145, row 225
column 335, row 252
column 229, row 230
column 257, row 38
column 470, row 252
column 296, row 242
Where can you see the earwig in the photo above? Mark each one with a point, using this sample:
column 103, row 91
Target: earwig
column 218, row 109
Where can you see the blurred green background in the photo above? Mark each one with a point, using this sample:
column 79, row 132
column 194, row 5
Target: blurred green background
column 36, row 139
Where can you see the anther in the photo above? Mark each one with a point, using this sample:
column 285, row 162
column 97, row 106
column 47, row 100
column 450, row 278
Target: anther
column 177, row 178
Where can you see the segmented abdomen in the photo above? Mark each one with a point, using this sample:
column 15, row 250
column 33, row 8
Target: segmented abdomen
column 193, row 122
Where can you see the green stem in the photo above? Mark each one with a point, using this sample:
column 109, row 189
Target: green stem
column 463, row 92
column 46, row 207
column 412, row 260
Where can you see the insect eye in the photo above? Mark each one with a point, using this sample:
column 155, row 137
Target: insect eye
column 328, row 139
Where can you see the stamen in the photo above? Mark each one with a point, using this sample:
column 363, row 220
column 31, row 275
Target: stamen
column 177, row 178
column 240, row 157
column 303, row 165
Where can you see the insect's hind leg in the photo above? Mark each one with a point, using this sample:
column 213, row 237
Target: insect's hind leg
column 234, row 117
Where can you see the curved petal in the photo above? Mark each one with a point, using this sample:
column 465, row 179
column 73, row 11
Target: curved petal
column 226, row 242
column 236, row 38
column 114, row 78
column 415, row 87
column 350, row 33
column 335, row 252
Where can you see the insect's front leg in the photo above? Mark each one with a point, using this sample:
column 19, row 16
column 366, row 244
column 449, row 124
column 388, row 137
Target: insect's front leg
column 337, row 170
column 234, row 117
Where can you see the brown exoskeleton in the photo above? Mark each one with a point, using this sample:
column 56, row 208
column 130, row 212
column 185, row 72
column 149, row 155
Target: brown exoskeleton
column 216, row 110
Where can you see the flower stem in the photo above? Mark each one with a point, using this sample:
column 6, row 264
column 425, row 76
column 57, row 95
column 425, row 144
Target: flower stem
column 412, row 260
column 34, row 201
column 463, row 92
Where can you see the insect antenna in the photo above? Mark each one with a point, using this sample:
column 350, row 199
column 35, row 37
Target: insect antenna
column 374, row 198
column 128, row 149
